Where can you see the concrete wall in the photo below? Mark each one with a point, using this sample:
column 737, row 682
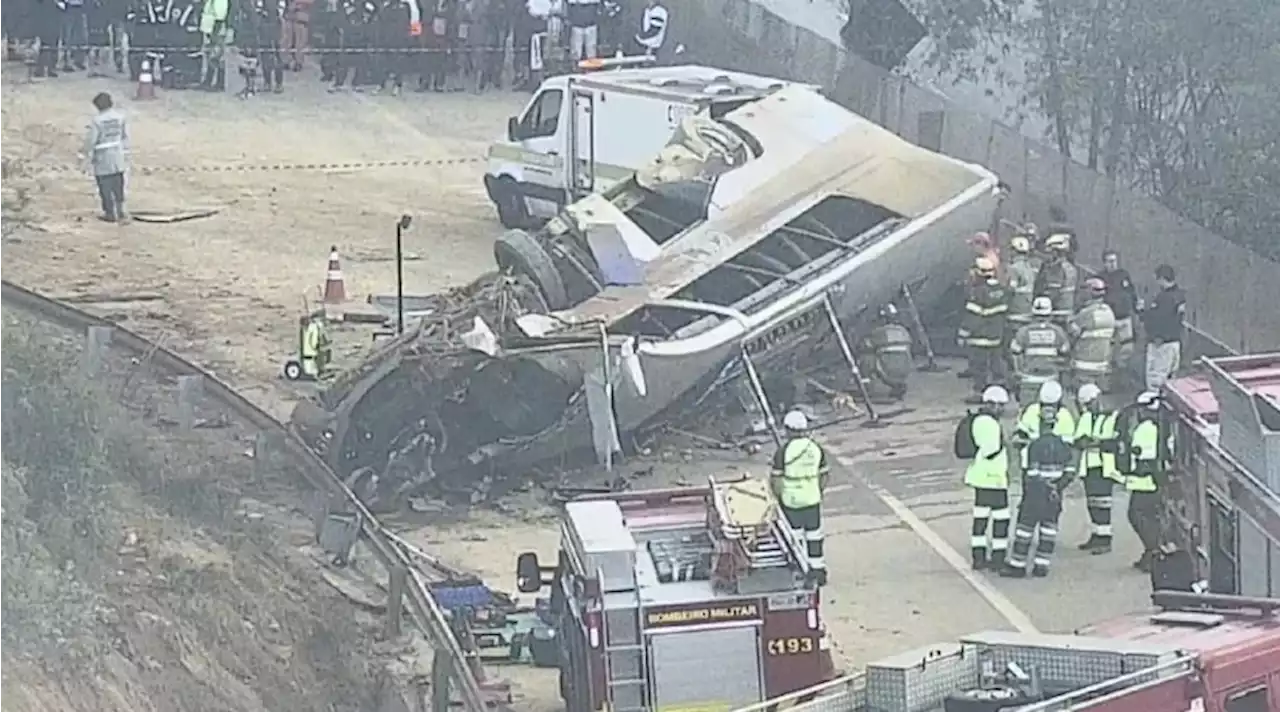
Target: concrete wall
column 1234, row 293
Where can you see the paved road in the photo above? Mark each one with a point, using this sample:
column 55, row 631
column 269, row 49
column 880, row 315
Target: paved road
column 899, row 513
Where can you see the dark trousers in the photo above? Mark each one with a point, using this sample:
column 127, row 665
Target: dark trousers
column 806, row 525
column 986, row 366
column 272, row 61
column 75, row 35
column 494, row 52
column 1037, row 521
column 111, row 192
column 1144, row 517
column 1097, row 493
column 990, row 510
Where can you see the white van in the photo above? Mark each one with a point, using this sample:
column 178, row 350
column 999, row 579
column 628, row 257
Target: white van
column 613, row 122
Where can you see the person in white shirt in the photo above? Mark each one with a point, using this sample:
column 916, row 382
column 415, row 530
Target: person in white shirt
column 583, row 17
column 653, row 28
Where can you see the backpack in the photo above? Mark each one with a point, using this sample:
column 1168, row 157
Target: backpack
column 964, row 445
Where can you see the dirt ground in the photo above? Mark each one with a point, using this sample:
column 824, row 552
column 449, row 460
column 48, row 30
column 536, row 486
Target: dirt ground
column 233, row 285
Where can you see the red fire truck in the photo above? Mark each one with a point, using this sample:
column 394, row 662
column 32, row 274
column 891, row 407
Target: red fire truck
column 681, row 600
column 1223, row 490
column 1197, row 653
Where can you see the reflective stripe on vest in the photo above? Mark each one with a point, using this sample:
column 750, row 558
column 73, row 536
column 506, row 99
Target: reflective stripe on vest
column 802, row 465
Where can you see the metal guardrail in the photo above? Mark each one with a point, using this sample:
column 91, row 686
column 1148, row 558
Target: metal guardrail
column 422, row 607
column 838, row 695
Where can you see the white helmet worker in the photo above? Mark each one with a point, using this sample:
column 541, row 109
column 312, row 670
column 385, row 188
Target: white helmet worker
column 1020, row 244
column 1050, row 393
column 795, row 421
column 1041, row 306
column 1088, row 393
column 995, row 395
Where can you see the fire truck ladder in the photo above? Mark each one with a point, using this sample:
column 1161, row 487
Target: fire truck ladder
column 623, row 641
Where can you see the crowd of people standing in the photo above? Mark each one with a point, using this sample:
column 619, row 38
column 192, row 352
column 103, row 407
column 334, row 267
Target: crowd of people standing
column 431, row 45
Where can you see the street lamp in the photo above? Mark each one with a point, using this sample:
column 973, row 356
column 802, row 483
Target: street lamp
column 401, row 225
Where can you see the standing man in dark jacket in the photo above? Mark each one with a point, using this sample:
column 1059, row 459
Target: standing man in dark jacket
column 494, row 25
column 47, row 21
column 1162, row 321
column 268, row 19
column 1122, row 297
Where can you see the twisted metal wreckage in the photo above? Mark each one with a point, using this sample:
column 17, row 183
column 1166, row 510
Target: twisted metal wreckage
column 740, row 248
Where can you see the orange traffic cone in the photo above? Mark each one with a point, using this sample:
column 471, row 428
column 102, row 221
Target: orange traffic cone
column 335, row 288
column 146, row 82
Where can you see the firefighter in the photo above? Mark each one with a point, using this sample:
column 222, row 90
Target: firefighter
column 1142, row 476
column 1058, row 277
column 317, row 352
column 984, row 246
column 799, row 475
column 982, row 326
column 1021, row 272
column 889, row 344
column 1092, row 330
column 1032, row 418
column 988, row 475
column 1122, row 297
column 1095, row 437
column 1043, row 479
column 1038, row 351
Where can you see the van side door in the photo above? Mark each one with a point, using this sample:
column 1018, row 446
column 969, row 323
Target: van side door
column 542, row 140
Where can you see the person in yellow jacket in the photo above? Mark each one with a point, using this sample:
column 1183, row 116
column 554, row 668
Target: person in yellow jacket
column 1143, row 469
column 214, row 33
column 316, row 351
column 1096, row 439
column 987, row 474
column 1028, row 428
column 798, row 477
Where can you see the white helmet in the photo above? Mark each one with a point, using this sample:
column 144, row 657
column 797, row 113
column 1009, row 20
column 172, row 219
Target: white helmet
column 1041, row 306
column 996, row 395
column 1149, row 399
column 795, row 420
column 1050, row 393
column 1088, row 393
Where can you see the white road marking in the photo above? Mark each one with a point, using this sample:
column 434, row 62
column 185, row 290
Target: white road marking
column 993, row 596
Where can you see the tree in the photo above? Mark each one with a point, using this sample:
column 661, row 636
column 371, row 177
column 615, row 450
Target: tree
column 1175, row 98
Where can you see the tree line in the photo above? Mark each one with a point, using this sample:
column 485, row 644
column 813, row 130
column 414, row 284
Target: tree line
column 1177, row 98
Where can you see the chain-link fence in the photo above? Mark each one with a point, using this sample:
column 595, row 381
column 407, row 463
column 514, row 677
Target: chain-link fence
column 1229, row 287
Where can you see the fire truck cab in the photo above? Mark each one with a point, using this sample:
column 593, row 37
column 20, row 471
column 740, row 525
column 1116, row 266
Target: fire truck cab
column 1223, row 492
column 1196, row 653
column 681, row 600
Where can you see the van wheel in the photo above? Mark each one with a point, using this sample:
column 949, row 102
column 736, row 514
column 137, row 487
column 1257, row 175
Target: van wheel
column 512, row 211
column 519, row 253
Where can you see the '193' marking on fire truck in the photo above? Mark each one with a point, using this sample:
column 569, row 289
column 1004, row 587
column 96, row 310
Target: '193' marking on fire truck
column 710, row 614
column 790, row 646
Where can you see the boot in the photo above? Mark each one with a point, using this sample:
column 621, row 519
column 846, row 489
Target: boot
column 1092, row 543
column 1011, row 571
column 1103, row 547
column 1144, row 562
column 1040, row 571
column 979, row 559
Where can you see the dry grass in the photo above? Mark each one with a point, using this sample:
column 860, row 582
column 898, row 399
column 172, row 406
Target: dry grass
column 132, row 579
